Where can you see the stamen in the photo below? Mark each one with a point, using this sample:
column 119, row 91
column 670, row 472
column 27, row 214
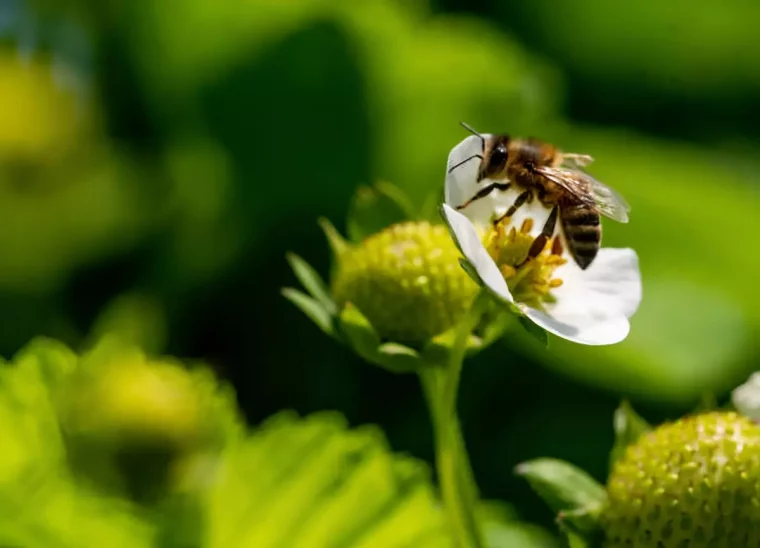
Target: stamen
column 507, row 271
column 557, row 246
column 530, row 281
column 518, row 276
column 541, row 288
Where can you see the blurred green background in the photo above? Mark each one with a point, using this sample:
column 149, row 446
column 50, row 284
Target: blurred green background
column 157, row 161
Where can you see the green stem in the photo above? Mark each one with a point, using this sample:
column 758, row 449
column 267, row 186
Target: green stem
column 441, row 385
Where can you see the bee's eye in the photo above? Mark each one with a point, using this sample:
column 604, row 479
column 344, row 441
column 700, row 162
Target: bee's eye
column 498, row 159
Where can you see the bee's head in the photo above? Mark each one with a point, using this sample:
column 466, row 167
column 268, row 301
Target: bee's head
column 495, row 158
column 494, row 155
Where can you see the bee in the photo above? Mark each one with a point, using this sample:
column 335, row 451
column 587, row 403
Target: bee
column 540, row 170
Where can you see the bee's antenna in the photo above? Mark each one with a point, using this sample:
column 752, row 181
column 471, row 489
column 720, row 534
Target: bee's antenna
column 466, row 126
column 452, row 168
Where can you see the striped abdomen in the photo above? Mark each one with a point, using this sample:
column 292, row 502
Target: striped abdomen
column 583, row 232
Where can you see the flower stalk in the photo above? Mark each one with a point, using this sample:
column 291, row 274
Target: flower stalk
column 441, row 385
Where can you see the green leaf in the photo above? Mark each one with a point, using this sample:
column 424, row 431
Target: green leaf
column 41, row 506
column 375, row 208
column 66, row 515
column 180, row 521
column 360, row 333
column 312, row 308
column 576, row 540
column 313, row 482
column 628, row 427
column 563, row 486
column 50, row 359
column 502, row 529
column 30, row 430
column 312, row 282
column 399, row 358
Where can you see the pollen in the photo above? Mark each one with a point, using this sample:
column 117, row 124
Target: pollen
column 530, row 279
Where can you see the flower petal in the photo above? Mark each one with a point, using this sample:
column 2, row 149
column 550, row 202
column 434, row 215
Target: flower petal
column 593, row 306
column 468, row 241
column 461, row 183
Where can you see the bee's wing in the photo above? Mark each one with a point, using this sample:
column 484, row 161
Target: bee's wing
column 590, row 191
column 576, row 160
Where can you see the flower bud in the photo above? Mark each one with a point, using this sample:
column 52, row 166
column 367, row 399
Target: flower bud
column 694, row 482
column 131, row 423
column 406, row 280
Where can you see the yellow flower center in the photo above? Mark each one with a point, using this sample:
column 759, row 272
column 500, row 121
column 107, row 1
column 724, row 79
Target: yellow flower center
column 529, row 280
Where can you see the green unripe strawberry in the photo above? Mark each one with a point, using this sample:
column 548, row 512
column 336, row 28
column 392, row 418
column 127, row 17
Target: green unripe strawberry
column 692, row 483
column 406, row 280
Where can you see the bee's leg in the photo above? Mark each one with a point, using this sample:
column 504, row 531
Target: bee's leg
column 483, row 192
column 519, row 201
column 546, row 232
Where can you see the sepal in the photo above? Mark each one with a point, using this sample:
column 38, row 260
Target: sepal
column 571, row 493
column 318, row 305
column 359, row 332
column 338, row 244
column 351, row 327
column 376, row 207
column 536, row 332
column 313, row 310
column 628, row 426
column 312, row 282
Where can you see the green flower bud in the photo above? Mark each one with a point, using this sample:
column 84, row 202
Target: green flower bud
column 398, row 294
column 406, row 280
column 139, row 402
column 694, row 482
column 135, row 424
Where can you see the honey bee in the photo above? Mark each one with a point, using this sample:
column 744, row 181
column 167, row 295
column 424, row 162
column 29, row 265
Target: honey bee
column 539, row 169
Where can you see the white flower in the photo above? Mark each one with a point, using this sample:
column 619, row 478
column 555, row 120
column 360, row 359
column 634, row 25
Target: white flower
column 746, row 398
column 589, row 306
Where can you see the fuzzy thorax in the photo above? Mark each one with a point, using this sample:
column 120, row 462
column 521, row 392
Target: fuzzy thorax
column 529, row 280
column 406, row 280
